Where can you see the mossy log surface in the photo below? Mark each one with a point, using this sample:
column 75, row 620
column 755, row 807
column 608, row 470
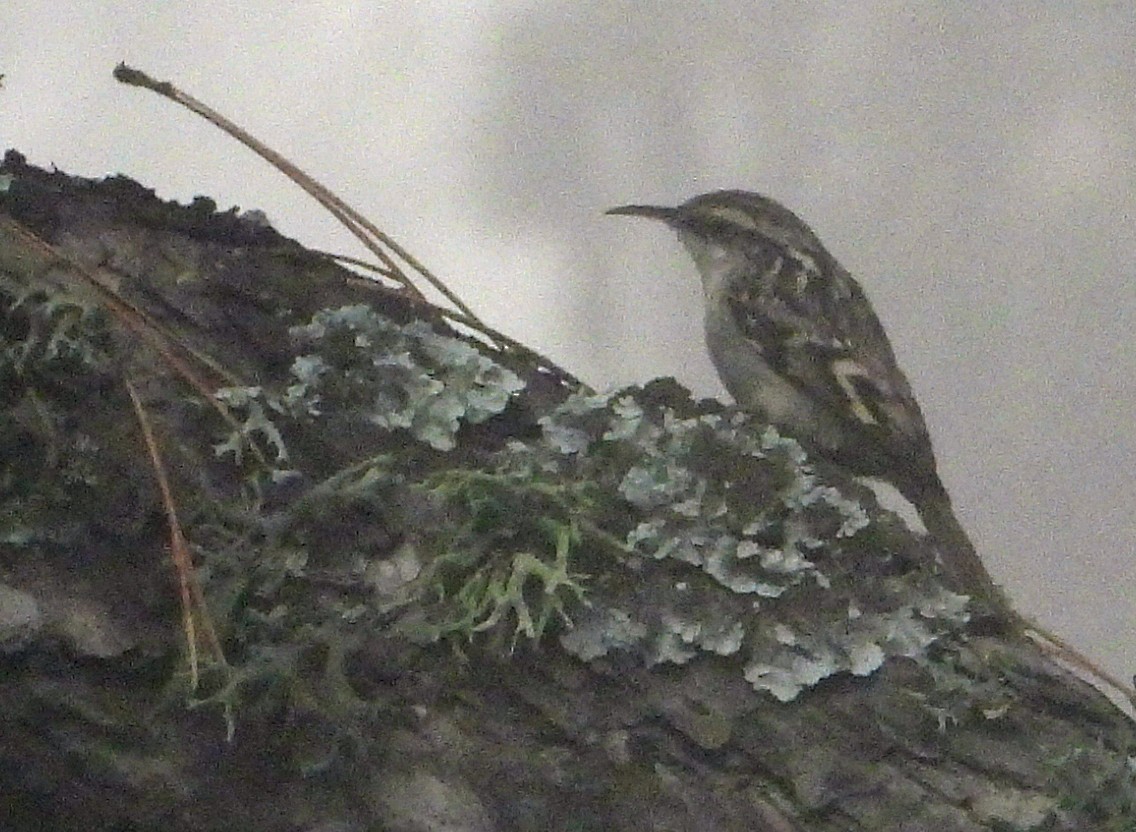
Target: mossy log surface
column 453, row 589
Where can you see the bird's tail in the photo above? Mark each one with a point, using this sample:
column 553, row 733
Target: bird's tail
column 961, row 565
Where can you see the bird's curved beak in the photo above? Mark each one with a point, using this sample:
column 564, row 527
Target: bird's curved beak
column 671, row 216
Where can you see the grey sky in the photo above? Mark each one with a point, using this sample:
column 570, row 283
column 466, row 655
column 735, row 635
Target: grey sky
column 973, row 165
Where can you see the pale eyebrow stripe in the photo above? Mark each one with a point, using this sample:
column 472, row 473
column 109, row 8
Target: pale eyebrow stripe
column 734, row 216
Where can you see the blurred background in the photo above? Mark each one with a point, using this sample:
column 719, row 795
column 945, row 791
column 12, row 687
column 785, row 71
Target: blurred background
column 974, row 165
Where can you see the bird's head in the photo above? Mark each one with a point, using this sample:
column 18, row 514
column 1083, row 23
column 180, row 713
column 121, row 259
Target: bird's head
column 732, row 233
column 733, row 219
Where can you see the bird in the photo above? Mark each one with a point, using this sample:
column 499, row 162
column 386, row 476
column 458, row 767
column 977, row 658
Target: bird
column 795, row 341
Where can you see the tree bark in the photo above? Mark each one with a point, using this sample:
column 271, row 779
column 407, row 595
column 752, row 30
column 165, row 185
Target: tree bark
column 454, row 589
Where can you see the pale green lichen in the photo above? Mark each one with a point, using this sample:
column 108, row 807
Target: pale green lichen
column 254, row 404
column 356, row 364
column 755, row 554
column 752, row 544
column 500, row 561
column 608, row 629
column 61, row 329
column 859, row 644
column 693, row 520
column 395, row 375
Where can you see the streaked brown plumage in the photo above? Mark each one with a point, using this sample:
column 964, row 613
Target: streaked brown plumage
column 795, row 340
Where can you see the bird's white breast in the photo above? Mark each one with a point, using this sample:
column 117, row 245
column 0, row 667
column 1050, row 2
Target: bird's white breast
column 715, row 263
column 744, row 370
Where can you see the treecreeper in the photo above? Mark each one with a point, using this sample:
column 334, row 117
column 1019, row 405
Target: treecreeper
column 796, row 342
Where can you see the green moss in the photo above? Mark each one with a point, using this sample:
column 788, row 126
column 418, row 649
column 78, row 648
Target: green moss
column 54, row 362
column 1099, row 787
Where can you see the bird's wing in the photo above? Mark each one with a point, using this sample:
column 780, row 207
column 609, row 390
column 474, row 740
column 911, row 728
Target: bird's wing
column 812, row 324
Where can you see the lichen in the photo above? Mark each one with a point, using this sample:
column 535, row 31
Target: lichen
column 61, row 333
column 757, row 555
column 395, row 375
column 253, row 404
column 55, row 353
column 354, row 365
column 502, row 564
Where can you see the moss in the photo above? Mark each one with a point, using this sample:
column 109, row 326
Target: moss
column 55, row 361
column 1100, row 788
column 758, row 557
